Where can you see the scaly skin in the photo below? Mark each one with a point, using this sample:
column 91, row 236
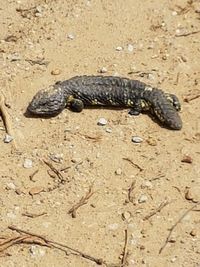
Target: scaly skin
column 81, row 91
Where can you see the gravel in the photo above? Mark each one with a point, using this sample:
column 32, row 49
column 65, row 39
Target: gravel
column 108, row 130
column 102, row 122
column 8, row 138
column 118, row 48
column 56, row 72
column 11, row 186
column 118, row 171
column 137, row 139
column 142, row 199
column 28, row 163
column 130, row 47
column 103, row 70
column 113, row 226
column 70, row 36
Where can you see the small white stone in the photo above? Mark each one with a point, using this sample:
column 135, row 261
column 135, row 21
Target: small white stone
column 116, row 74
column 151, row 76
column 70, row 36
column 28, row 163
column 118, row 48
column 39, row 9
column 103, row 70
column 137, row 139
column 142, row 199
column 130, row 47
column 14, row 56
column 46, row 224
column 174, row 13
column 108, row 130
column 174, row 259
column 37, row 251
column 37, row 14
column 113, row 226
column 33, row 250
column 56, row 157
column 11, row 215
column 147, row 184
column 118, row 171
column 11, row 186
column 8, row 138
column 102, row 122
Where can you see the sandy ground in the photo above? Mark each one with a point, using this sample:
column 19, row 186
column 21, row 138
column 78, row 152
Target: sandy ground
column 143, row 189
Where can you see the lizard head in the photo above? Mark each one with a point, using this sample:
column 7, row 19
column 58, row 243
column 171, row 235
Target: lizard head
column 47, row 102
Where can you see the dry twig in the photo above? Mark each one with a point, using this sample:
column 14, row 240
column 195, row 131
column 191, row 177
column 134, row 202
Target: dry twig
column 32, row 175
column 192, row 96
column 125, row 253
column 177, row 78
column 133, row 163
column 33, row 215
column 95, row 138
column 186, row 34
column 28, row 237
column 57, row 172
column 5, row 118
column 130, row 190
column 174, row 226
column 161, row 206
column 82, row 202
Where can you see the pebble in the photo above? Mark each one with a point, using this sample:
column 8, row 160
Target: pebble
column 193, row 232
column 108, row 130
column 38, row 14
column 102, row 122
column 39, row 9
column 150, row 76
column 103, row 70
column 174, row 13
column 28, row 163
column 151, row 141
column 190, row 194
column 8, row 138
column 36, row 251
column 137, row 139
column 10, row 186
column 172, row 239
column 173, row 259
column 56, row 157
column 11, row 215
column 56, row 72
column 118, row 48
column 113, row 226
column 118, row 171
column 142, row 199
column 147, row 184
column 186, row 159
column 70, row 36
column 130, row 47
column 14, row 56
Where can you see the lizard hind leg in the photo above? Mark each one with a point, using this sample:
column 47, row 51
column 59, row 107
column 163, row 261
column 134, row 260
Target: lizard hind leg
column 138, row 107
column 76, row 105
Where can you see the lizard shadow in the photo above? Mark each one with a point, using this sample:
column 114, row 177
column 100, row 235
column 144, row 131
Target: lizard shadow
column 28, row 114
